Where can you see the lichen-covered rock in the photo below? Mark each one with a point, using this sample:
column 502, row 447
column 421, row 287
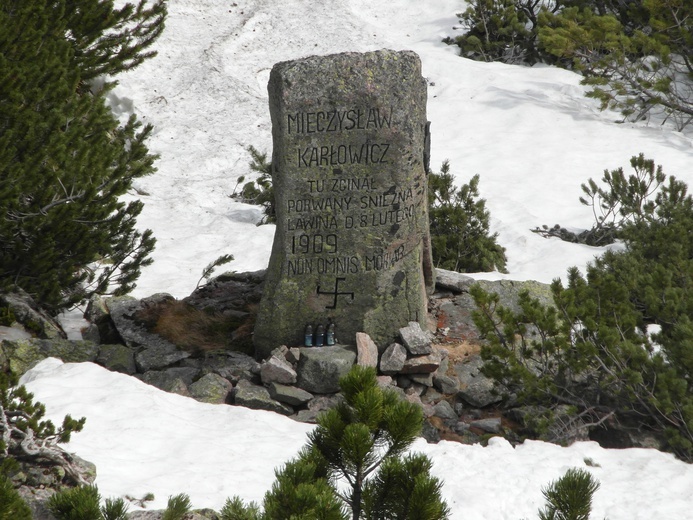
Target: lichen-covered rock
column 20, row 308
column 320, row 368
column 117, row 358
column 22, row 355
column 349, row 151
column 166, row 382
column 211, row 388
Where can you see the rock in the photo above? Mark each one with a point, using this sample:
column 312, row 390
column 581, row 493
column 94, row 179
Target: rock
column 320, row 368
column 453, row 281
column 393, row 359
column 445, row 411
column 475, row 388
column 277, row 370
column 422, row 379
column 416, row 340
column 22, row 355
column 233, row 366
column 446, row 384
column 102, row 326
column 20, row 308
column 165, row 381
column 289, row 394
column 186, row 374
column 367, row 350
column 490, row 425
column 117, row 358
column 159, row 356
column 422, row 364
column 258, row 398
column 377, row 279
column 37, row 500
column 211, row 388
column 430, row 433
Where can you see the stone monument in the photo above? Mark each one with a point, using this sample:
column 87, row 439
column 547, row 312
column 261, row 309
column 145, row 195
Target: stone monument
column 351, row 244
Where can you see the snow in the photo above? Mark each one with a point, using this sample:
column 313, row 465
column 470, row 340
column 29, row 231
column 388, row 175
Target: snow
column 529, row 132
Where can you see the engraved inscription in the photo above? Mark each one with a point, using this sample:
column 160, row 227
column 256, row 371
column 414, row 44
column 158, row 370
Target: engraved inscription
column 339, row 120
column 335, row 293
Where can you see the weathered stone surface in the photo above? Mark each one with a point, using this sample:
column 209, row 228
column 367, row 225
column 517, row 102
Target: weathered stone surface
column 22, row 307
column 186, row 374
column 320, row 368
column 159, row 356
column 348, row 144
column 445, row 383
column 367, row 350
column 258, row 398
column 277, row 370
column 211, row 388
column 445, row 411
column 117, row 358
column 475, row 388
column 422, row 379
column 393, row 359
column 165, row 381
column 289, row 394
column 416, row 340
column 489, row 425
column 102, row 326
column 422, row 364
column 22, row 355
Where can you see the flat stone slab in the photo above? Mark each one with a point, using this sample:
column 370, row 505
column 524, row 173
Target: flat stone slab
column 320, row 368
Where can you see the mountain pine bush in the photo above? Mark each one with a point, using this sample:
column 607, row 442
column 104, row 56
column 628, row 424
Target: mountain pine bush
column 635, row 56
column 570, row 497
column 360, row 443
column 64, row 158
column 460, row 226
column 619, row 339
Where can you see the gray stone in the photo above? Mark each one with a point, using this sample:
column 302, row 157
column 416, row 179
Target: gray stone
column 325, row 402
column 453, row 281
column 22, row 355
column 186, row 374
column 393, row 359
column 475, row 388
column 165, row 381
column 289, row 394
column 159, row 356
column 117, row 358
column 446, row 384
column 352, row 223
column 416, row 340
column 277, row 370
column 489, row 425
column 211, row 388
column 101, row 324
column 233, row 366
column 445, row 411
column 422, row 364
column 258, row 398
column 422, row 379
column 320, row 368
column 367, row 350
column 29, row 316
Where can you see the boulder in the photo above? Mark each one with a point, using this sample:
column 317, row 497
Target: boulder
column 277, row 370
column 446, row 384
column 20, row 309
column 415, row 339
column 159, row 356
column 117, row 358
column 22, row 355
column 475, row 388
column 290, row 395
column 393, row 359
column 211, row 388
column 102, row 328
column 489, row 425
column 320, row 368
column 165, row 381
column 258, row 398
column 233, row 366
column 367, row 350
column 422, row 364
column 445, row 411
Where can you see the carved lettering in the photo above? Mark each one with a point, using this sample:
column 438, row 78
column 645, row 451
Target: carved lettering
column 339, row 120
